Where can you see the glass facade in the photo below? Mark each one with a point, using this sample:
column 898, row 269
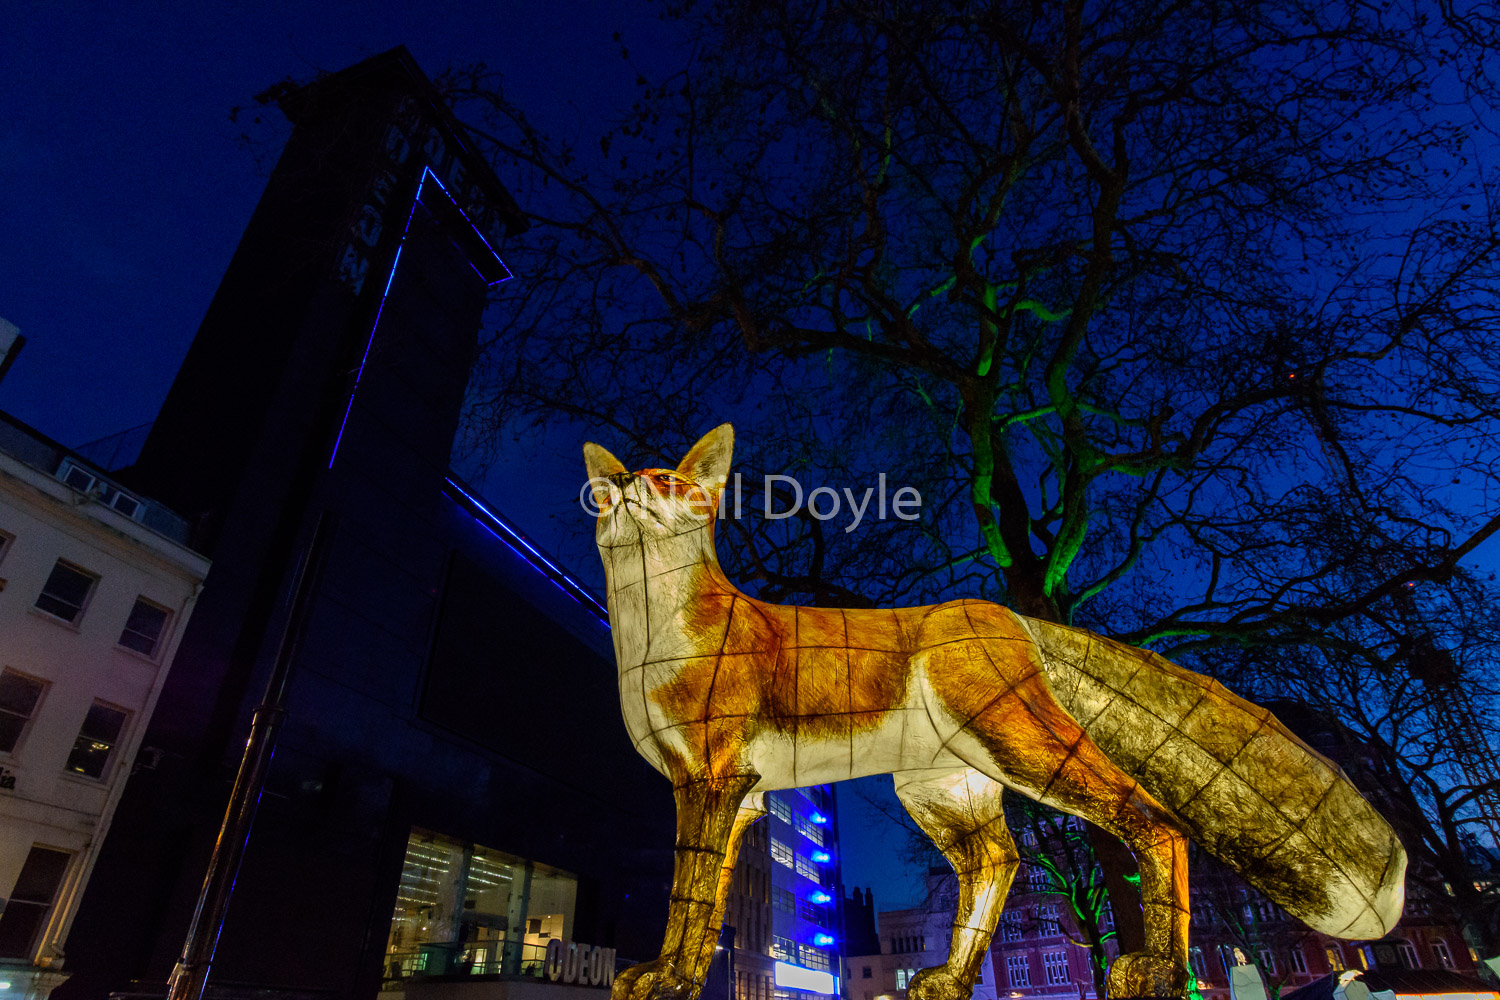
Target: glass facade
column 794, row 850
column 466, row 909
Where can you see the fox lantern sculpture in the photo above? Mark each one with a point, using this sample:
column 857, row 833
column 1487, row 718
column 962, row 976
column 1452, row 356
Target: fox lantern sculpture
column 730, row 697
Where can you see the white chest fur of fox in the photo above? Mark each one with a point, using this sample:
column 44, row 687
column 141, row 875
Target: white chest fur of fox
column 960, row 702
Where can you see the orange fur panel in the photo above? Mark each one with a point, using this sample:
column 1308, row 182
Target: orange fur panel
column 815, row 672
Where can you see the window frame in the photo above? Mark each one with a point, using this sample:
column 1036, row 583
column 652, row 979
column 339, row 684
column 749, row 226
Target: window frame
column 162, row 636
column 18, row 907
column 1444, row 955
column 36, row 708
column 804, row 825
column 103, row 777
column 1014, row 964
column 83, row 607
column 1054, row 965
column 6, row 540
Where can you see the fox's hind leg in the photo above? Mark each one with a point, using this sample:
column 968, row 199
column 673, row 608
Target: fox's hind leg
column 985, row 675
column 960, row 810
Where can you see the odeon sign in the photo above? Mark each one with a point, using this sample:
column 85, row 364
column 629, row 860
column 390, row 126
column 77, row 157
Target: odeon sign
column 586, row 965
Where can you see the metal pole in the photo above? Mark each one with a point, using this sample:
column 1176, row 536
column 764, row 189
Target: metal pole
column 190, row 975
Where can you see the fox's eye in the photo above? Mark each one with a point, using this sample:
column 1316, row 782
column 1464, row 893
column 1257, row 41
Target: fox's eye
column 668, row 477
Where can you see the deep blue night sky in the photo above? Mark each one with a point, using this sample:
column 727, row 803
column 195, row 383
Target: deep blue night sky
column 125, row 185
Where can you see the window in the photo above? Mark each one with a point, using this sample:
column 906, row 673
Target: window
column 1107, row 918
column 812, row 912
column 1408, row 954
column 1299, row 961
column 26, row 912
column 96, row 740
column 108, row 493
column 786, row 902
column 781, row 853
column 1260, row 910
column 1442, row 954
column 1047, row 920
column 1056, row 965
column 779, row 808
column 19, row 696
column 807, row 869
column 1010, row 927
column 809, row 829
column 66, row 591
column 145, row 627
column 813, row 958
column 864, row 972
column 1018, row 971
column 1197, row 963
column 1267, row 962
column 783, row 948
column 1335, row 958
column 5, row 540
column 1039, row 879
column 454, row 890
column 900, row 979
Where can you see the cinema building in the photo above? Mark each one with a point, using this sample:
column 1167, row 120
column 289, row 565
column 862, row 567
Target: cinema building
column 452, row 788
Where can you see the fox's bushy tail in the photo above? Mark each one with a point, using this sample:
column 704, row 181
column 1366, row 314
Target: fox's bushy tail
column 1255, row 796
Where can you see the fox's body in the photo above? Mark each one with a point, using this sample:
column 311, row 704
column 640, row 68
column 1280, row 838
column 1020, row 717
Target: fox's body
column 730, row 696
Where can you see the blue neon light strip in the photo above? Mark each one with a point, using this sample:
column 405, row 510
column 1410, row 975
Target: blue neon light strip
column 508, row 533
column 427, row 175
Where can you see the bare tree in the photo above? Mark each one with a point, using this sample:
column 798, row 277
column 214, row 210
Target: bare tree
column 1142, row 295
column 1406, row 702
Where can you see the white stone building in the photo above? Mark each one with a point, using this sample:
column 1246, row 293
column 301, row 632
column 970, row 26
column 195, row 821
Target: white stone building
column 96, row 585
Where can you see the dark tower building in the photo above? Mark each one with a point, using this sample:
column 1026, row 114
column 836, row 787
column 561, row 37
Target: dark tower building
column 453, row 785
column 860, row 936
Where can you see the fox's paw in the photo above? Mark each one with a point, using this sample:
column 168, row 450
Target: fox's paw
column 653, row 980
column 1140, row 974
column 937, row 984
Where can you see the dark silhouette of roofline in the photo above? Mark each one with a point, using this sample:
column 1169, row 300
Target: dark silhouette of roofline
column 297, row 101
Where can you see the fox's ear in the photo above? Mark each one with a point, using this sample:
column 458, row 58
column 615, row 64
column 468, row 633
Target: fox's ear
column 707, row 462
column 599, row 462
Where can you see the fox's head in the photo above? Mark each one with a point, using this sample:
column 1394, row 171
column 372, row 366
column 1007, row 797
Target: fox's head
column 659, row 503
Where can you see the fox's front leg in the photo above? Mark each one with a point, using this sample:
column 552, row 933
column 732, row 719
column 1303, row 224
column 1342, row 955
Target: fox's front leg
column 712, row 815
